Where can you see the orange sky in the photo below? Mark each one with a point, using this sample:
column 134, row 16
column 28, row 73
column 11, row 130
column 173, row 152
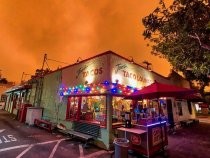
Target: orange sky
column 69, row 29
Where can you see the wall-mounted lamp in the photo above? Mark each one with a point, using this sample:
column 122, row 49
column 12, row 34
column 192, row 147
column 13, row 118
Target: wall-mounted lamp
column 131, row 59
column 148, row 65
column 79, row 60
column 86, row 82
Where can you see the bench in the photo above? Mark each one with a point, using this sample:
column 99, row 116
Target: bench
column 195, row 121
column 85, row 131
column 43, row 124
column 186, row 123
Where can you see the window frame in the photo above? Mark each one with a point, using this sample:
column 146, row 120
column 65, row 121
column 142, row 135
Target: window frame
column 78, row 113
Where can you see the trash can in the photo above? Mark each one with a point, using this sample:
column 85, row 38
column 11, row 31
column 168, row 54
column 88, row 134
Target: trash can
column 121, row 147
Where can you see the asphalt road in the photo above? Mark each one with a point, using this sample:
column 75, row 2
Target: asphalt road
column 18, row 140
column 190, row 142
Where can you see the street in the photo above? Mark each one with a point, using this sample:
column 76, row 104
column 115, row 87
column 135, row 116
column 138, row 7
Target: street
column 22, row 141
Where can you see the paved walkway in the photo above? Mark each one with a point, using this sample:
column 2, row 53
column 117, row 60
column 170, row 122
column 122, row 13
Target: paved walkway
column 204, row 119
column 187, row 142
column 18, row 140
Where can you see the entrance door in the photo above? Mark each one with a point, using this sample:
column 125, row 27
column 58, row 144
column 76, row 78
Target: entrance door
column 170, row 111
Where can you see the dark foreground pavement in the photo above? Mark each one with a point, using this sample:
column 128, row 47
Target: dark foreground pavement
column 190, row 142
column 18, row 140
column 187, row 142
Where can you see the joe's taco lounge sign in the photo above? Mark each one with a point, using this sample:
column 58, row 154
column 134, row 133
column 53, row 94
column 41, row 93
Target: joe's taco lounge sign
column 107, row 67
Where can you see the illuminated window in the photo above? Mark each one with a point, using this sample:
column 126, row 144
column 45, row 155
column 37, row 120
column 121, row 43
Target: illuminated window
column 120, row 106
column 72, row 108
column 90, row 108
column 93, row 109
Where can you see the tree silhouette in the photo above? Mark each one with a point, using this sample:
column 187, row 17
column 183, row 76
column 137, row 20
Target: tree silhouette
column 181, row 34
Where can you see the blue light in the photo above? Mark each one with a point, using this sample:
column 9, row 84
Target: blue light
column 75, row 90
column 106, row 83
column 114, row 90
column 157, row 123
column 87, row 89
column 135, row 90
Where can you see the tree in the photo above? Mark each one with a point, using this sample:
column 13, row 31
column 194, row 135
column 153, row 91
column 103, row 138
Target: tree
column 181, row 34
column 3, row 80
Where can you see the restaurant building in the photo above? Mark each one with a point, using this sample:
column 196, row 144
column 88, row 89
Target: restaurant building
column 93, row 91
column 16, row 98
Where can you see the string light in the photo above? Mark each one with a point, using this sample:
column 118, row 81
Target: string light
column 101, row 88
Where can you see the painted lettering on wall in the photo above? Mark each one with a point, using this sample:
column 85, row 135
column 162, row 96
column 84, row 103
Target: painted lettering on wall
column 81, row 70
column 129, row 74
column 92, row 72
column 7, row 139
column 120, row 67
column 135, row 76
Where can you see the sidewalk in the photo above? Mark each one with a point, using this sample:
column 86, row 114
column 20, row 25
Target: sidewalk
column 187, row 142
column 204, row 119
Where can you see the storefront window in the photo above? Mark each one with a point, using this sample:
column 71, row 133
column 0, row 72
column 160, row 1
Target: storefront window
column 120, row 106
column 72, row 109
column 93, row 109
column 90, row 108
column 140, row 112
column 197, row 108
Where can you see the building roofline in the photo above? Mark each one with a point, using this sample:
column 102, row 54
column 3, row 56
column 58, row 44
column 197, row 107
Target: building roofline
column 18, row 88
column 105, row 53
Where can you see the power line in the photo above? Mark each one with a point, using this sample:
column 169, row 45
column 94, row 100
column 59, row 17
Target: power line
column 46, row 59
column 58, row 61
column 47, row 64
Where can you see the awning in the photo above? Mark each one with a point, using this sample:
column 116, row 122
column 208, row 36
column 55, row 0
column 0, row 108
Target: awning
column 158, row 90
column 18, row 88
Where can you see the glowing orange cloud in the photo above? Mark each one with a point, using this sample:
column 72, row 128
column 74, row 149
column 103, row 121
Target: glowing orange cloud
column 69, row 29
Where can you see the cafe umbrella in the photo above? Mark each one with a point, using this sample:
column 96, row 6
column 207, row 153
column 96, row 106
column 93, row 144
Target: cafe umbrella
column 157, row 90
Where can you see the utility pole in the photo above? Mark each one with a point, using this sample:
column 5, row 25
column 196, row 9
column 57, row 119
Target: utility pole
column 22, row 78
column 39, row 84
column 44, row 60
